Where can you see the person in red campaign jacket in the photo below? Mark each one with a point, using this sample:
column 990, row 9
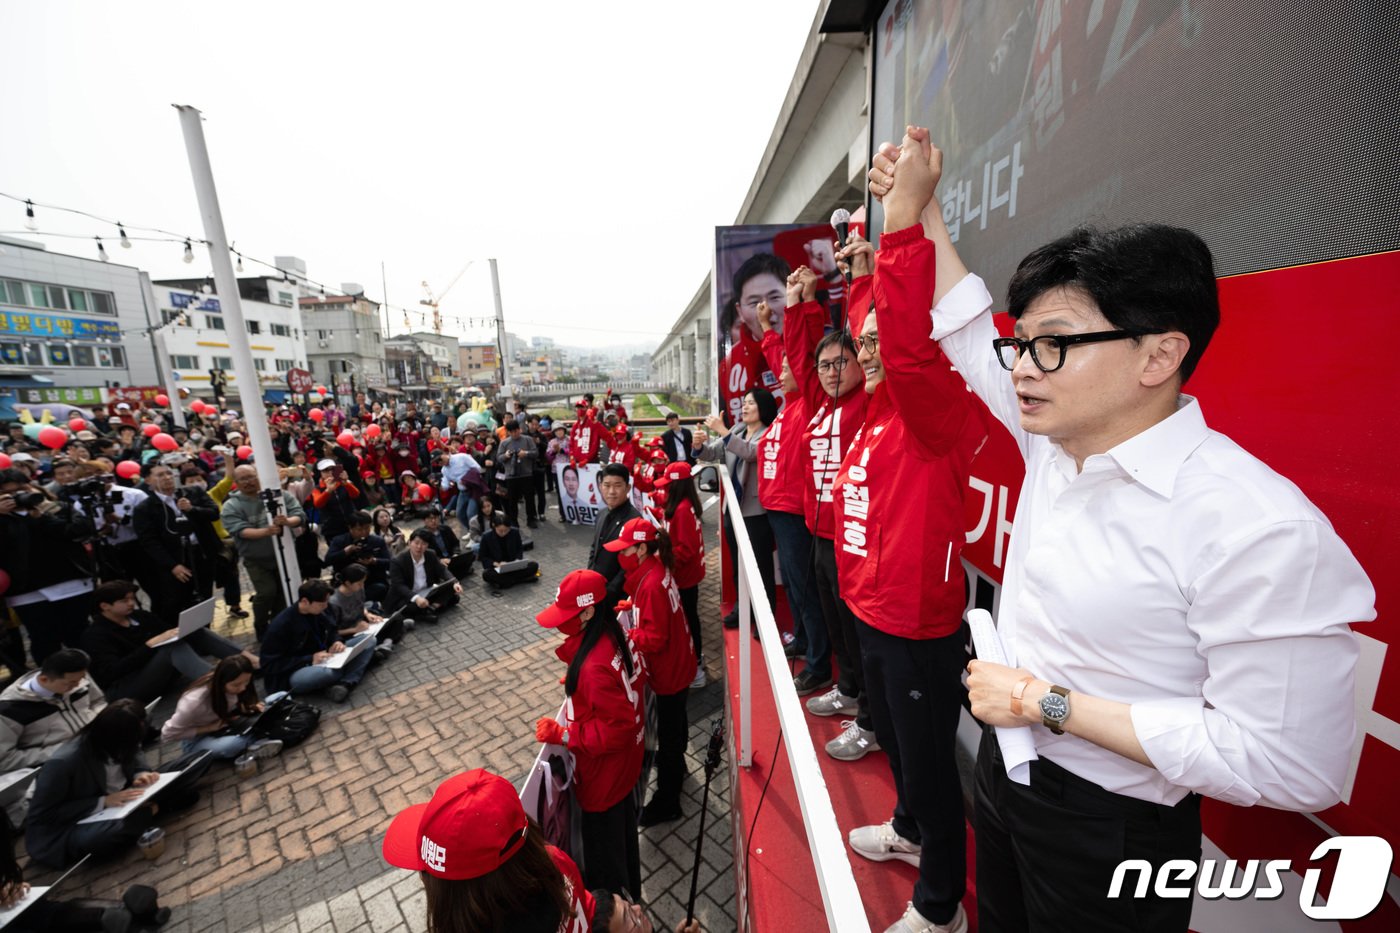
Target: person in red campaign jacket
column 584, row 438
column 781, row 477
column 473, row 844
column 832, row 384
column 761, row 279
column 661, row 633
column 899, row 504
column 604, row 728
column 681, row 510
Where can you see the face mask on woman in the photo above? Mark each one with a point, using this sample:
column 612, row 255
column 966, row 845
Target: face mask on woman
column 629, row 562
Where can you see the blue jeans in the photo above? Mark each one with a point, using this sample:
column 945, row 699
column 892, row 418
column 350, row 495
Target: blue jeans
column 312, row 678
column 467, row 507
column 795, row 560
column 223, row 747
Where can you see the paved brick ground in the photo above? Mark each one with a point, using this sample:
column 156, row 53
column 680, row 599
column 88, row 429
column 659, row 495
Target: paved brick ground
column 296, row 847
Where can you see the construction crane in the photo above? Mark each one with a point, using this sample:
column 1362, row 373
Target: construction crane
column 433, row 301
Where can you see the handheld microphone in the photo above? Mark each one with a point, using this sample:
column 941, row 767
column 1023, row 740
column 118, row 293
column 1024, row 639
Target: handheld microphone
column 840, row 222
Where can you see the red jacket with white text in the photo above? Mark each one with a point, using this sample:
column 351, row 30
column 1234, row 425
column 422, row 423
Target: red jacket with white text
column 607, row 727
column 899, row 493
column 781, row 473
column 661, row 632
column 687, row 545
column 834, row 422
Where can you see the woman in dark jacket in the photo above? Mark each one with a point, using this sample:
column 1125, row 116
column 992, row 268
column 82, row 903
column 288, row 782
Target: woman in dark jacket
column 102, row 767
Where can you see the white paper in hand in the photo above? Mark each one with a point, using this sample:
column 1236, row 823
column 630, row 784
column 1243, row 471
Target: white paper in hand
column 1017, row 743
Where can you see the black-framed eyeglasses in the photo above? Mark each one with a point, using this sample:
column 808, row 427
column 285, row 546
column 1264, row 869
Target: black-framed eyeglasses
column 837, row 364
column 870, row 343
column 1048, row 351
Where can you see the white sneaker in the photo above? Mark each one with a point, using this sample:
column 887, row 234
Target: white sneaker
column 881, row 843
column 265, row 748
column 831, row 703
column 914, row 922
column 852, row 744
column 699, row 680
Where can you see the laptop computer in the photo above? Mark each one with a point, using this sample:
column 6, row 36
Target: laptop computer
column 198, row 616
column 337, row 661
column 35, row 894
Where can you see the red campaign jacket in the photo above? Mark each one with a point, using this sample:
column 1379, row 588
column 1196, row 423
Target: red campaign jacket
column 581, row 903
column 607, row 727
column 780, row 468
column 401, row 462
column 834, row 422
column 743, row 368
column 584, row 438
column 899, row 494
column 662, row 632
column 687, row 545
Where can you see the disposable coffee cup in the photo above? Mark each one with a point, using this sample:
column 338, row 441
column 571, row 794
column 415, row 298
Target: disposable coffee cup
column 245, row 765
column 152, row 842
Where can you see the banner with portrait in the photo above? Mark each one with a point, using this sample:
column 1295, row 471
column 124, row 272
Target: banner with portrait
column 751, row 266
column 580, row 503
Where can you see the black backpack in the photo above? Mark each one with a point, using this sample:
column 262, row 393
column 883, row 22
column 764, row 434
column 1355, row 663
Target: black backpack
column 288, row 720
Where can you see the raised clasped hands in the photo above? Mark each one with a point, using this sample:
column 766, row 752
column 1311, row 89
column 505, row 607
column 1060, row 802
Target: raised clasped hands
column 801, row 286
column 904, row 178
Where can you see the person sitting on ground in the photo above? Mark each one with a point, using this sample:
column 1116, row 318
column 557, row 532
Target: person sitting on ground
column 208, row 714
column 360, row 546
column 447, row 545
column 353, row 614
column 413, row 574
column 385, row 528
column 501, row 547
column 131, row 652
column 102, row 767
column 139, row 907
column 38, row 713
column 302, row 638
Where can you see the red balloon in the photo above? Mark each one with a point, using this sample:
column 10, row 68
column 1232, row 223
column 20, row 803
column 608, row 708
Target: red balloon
column 346, row 440
column 163, row 400
column 424, row 492
column 163, row 442
column 316, row 415
column 320, row 390
column 244, row 452
column 150, row 430
column 52, row 437
column 197, row 407
column 373, row 431
column 128, row 469
column 5, row 461
column 4, row 582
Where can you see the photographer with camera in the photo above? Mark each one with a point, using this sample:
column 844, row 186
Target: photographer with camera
column 51, row 573
column 252, row 516
column 360, row 546
column 109, row 506
column 168, row 525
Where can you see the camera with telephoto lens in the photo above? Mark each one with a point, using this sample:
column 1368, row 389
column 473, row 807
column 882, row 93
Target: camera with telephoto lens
column 29, row 499
column 91, row 488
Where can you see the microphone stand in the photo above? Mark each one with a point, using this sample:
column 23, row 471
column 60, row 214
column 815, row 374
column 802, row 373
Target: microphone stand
column 711, row 766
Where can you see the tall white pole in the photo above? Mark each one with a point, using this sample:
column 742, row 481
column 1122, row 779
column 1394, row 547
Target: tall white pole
column 226, row 283
column 501, row 348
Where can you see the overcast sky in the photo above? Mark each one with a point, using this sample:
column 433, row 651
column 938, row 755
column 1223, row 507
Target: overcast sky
column 591, row 148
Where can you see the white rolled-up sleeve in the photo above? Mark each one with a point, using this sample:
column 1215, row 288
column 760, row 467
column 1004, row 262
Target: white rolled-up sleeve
column 1274, row 723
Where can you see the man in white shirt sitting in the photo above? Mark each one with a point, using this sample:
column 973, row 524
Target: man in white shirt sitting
column 1178, row 614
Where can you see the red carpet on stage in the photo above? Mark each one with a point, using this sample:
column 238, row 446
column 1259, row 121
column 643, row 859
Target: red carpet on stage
column 782, row 891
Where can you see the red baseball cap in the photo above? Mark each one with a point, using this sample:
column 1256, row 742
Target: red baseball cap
column 678, row 470
column 637, row 531
column 471, row 827
column 577, row 591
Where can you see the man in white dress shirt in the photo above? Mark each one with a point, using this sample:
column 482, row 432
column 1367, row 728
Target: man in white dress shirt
column 1178, row 614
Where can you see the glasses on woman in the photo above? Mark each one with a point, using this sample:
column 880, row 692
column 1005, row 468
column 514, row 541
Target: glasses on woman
column 1048, row 351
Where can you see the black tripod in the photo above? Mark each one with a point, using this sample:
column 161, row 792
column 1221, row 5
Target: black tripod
column 272, row 499
column 711, row 766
